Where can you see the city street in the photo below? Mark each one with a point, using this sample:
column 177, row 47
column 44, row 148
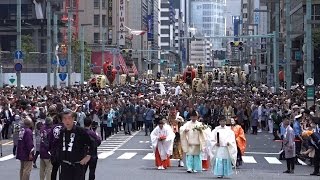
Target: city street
column 131, row 158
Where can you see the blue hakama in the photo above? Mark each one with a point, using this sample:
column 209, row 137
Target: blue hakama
column 222, row 165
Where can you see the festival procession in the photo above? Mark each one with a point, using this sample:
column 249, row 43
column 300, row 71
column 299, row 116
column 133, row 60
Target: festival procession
column 159, row 89
column 195, row 122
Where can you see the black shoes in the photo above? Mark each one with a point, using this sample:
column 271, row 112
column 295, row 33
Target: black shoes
column 315, row 174
column 289, row 172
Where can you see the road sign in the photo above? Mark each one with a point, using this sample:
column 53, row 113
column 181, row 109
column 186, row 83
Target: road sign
column 118, row 68
column 18, row 55
column 63, row 76
column 63, row 84
column 297, row 55
column 54, row 62
column 63, row 62
column 310, row 81
column 310, row 93
column 12, row 80
column 18, row 67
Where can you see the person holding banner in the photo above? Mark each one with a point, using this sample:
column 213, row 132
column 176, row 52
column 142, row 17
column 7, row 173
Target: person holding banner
column 223, row 149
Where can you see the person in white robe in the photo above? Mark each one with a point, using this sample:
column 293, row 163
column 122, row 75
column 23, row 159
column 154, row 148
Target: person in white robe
column 162, row 143
column 193, row 143
column 223, row 149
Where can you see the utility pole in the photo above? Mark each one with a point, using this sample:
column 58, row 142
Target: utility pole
column 82, row 54
column 103, row 47
column 18, row 45
column 55, row 42
column 49, row 49
column 276, row 47
column 288, row 47
column 69, row 43
column 308, row 42
column 269, row 45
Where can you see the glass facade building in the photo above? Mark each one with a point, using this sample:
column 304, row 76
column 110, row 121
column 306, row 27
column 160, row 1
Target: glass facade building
column 207, row 16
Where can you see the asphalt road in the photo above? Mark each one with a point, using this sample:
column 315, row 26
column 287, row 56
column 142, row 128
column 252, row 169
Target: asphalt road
column 130, row 158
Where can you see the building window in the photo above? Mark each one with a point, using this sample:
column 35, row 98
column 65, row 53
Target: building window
column 104, row 18
column 96, row 37
column 96, row 4
column 104, row 4
column 96, row 20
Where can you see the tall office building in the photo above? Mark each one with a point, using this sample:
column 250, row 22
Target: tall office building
column 208, row 18
column 138, row 13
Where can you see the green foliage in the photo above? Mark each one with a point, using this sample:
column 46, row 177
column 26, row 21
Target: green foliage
column 316, row 39
column 28, row 46
column 76, row 55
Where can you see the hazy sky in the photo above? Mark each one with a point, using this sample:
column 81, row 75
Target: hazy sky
column 233, row 9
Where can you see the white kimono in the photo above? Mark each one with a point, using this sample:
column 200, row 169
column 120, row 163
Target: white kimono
column 193, row 141
column 226, row 135
column 164, row 147
column 206, row 152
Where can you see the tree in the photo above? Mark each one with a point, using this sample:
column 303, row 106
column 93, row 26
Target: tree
column 76, row 56
column 28, row 46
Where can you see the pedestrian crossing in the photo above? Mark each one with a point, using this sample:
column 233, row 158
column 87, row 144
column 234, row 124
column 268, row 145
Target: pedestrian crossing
column 150, row 156
column 114, row 142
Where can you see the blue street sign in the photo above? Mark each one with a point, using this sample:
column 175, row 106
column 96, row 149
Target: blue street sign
column 54, row 62
column 18, row 67
column 63, row 76
column 117, row 68
column 63, row 62
column 297, row 55
column 18, row 55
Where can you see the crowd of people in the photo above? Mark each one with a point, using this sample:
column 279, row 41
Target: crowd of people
column 208, row 127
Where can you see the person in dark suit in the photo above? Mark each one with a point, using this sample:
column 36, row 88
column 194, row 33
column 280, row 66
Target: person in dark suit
column 6, row 117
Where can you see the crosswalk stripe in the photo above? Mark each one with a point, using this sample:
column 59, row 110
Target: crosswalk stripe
column 273, row 160
column 8, row 143
column 149, row 156
column 127, row 155
column 301, row 162
column 104, row 155
column 249, row 159
column 5, row 158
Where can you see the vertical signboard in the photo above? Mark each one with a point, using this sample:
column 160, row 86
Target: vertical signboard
column 110, row 4
column 150, row 28
column 236, row 22
column 122, row 21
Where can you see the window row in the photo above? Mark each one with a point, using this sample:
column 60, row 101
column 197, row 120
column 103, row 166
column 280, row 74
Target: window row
column 96, row 4
column 96, row 20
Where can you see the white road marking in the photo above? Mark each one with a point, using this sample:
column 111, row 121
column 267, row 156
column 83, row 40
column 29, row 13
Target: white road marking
column 134, row 150
column 8, row 143
column 262, row 153
column 5, row 158
column 249, row 159
column 301, row 162
column 273, row 160
column 105, row 155
column 149, row 156
column 126, row 155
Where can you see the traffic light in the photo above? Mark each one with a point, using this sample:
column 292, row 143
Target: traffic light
column 130, row 52
column 237, row 44
column 127, row 52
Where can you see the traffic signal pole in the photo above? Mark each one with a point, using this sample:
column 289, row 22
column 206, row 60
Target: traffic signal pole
column 308, row 42
column 49, row 43
column 288, row 47
column 276, row 47
column 18, row 45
